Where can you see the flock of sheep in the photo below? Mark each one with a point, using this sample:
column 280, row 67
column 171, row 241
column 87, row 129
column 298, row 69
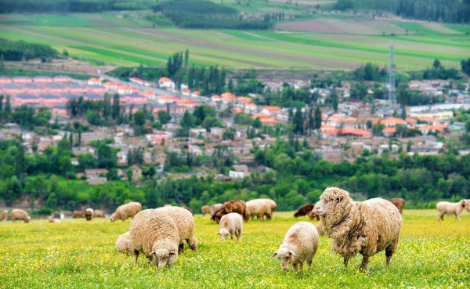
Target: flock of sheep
column 354, row 227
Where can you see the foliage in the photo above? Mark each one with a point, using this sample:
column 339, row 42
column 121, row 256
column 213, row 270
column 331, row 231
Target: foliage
column 19, row 50
column 64, row 6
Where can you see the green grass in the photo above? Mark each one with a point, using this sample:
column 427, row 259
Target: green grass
column 12, row 72
column 80, row 254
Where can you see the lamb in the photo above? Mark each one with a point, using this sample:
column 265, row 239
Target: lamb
column 89, row 214
column 184, row 220
column 51, row 219
column 77, row 214
column 231, row 224
column 99, row 214
column 359, row 227
column 234, row 206
column 125, row 211
column 447, row 208
column 300, row 245
column 18, row 214
column 154, row 234
column 399, row 203
column 260, row 208
column 205, row 210
column 123, row 243
column 306, row 210
column 4, row 215
column 214, row 208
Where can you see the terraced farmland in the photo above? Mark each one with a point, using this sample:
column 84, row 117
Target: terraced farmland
column 129, row 40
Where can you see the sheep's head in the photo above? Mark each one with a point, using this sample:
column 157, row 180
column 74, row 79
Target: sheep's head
column 332, row 201
column 217, row 216
column 468, row 205
column 465, row 204
column 285, row 256
column 113, row 217
column 164, row 257
column 223, row 234
column 27, row 219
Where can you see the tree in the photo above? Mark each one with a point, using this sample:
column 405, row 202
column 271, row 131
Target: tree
column 436, row 64
column 187, row 121
column 116, row 106
column 106, row 156
column 256, row 123
column 211, row 122
column 318, row 119
column 7, row 111
column 186, row 59
column 130, row 174
column 334, row 99
column 2, row 65
column 140, row 117
column 298, row 122
column 94, row 117
column 163, row 116
column 20, row 162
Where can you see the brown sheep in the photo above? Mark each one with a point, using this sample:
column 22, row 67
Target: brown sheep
column 399, row 203
column 77, row 214
column 99, row 214
column 3, row 215
column 306, row 210
column 205, row 210
column 89, row 214
column 18, row 214
column 234, row 206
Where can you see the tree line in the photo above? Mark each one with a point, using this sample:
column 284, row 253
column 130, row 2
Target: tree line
column 62, row 6
column 21, row 50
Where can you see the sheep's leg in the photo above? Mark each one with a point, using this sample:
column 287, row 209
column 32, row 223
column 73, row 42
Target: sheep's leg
column 192, row 242
column 363, row 266
column 301, row 265
column 345, row 262
column 309, row 263
column 457, row 217
column 441, row 217
column 295, row 266
column 231, row 236
column 239, row 237
column 136, row 256
column 181, row 247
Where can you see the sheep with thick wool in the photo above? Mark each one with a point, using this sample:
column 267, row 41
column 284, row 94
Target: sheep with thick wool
column 447, row 208
column 359, row 227
column 260, row 208
column 123, row 243
column 300, row 245
column 98, row 214
column 231, row 224
column 77, row 214
column 184, row 220
column 125, row 211
column 18, row 214
column 4, row 215
column 89, row 214
column 154, row 234
column 214, row 208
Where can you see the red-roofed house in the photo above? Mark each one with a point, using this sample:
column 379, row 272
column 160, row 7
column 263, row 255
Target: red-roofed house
column 185, row 102
column 148, row 94
column 42, row 79
column 391, row 121
column 243, row 99
column 22, row 80
column 62, row 79
column 271, row 109
column 389, row 131
column 139, row 81
column 429, row 120
column 5, row 80
column 167, row 99
column 111, row 85
column 165, row 82
column 425, row 129
column 94, row 81
column 215, row 97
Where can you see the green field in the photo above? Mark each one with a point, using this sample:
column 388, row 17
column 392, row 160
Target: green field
column 80, row 254
column 126, row 39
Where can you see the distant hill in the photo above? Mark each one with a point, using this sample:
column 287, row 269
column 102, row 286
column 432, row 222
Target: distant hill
column 62, row 6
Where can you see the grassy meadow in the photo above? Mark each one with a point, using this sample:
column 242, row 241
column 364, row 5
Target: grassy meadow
column 80, row 254
column 330, row 42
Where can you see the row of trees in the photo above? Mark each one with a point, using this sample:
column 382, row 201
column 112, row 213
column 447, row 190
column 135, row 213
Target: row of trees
column 21, row 50
column 63, row 6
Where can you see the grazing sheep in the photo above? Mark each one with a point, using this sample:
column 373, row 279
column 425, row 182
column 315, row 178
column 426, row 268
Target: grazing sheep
column 123, row 243
column 185, row 223
column 359, row 227
column 89, row 214
column 399, row 203
column 18, row 214
column 214, row 208
column 128, row 210
column 154, row 234
column 234, row 206
column 51, row 219
column 447, row 208
column 306, row 210
column 260, row 208
column 231, row 224
column 167, row 205
column 205, row 210
column 4, row 215
column 99, row 214
column 77, row 214
column 300, row 245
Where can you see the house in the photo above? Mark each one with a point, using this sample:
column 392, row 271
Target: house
column 148, row 94
column 5, row 80
column 196, row 132
column 96, row 181
column 389, row 131
column 62, row 79
column 436, row 115
column 157, row 137
column 390, row 121
column 42, row 79
column 425, row 129
column 241, row 168
column 167, row 99
column 271, row 110
column 136, row 173
column 139, row 81
column 165, row 82
column 94, row 81
column 22, row 80
column 95, row 173
column 111, row 85
column 216, row 98
column 236, row 175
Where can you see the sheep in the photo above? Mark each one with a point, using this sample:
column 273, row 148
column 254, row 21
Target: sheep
column 399, row 203
column 234, row 206
column 214, row 208
column 98, row 214
column 77, row 214
column 89, row 214
column 123, row 243
column 185, row 223
column 125, row 211
column 4, row 215
column 447, row 208
column 359, row 227
column 205, row 210
column 231, row 224
column 18, row 214
column 260, row 208
column 306, row 210
column 154, row 234
column 300, row 245
column 51, row 219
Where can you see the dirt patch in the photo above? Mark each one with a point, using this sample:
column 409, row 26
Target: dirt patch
column 316, row 25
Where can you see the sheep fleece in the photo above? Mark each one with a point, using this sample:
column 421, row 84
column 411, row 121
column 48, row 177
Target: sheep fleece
column 184, row 220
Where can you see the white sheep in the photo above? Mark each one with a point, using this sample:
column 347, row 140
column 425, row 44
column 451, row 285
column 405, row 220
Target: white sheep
column 51, row 219
column 447, row 208
column 125, row 211
column 260, row 208
column 123, row 243
column 354, row 227
column 89, row 214
column 184, row 220
column 231, row 224
column 18, row 214
column 155, row 234
column 214, row 208
column 4, row 215
column 300, row 245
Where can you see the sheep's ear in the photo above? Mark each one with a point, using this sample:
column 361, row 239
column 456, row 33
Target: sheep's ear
column 292, row 253
column 274, row 254
column 172, row 253
column 153, row 253
column 338, row 200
